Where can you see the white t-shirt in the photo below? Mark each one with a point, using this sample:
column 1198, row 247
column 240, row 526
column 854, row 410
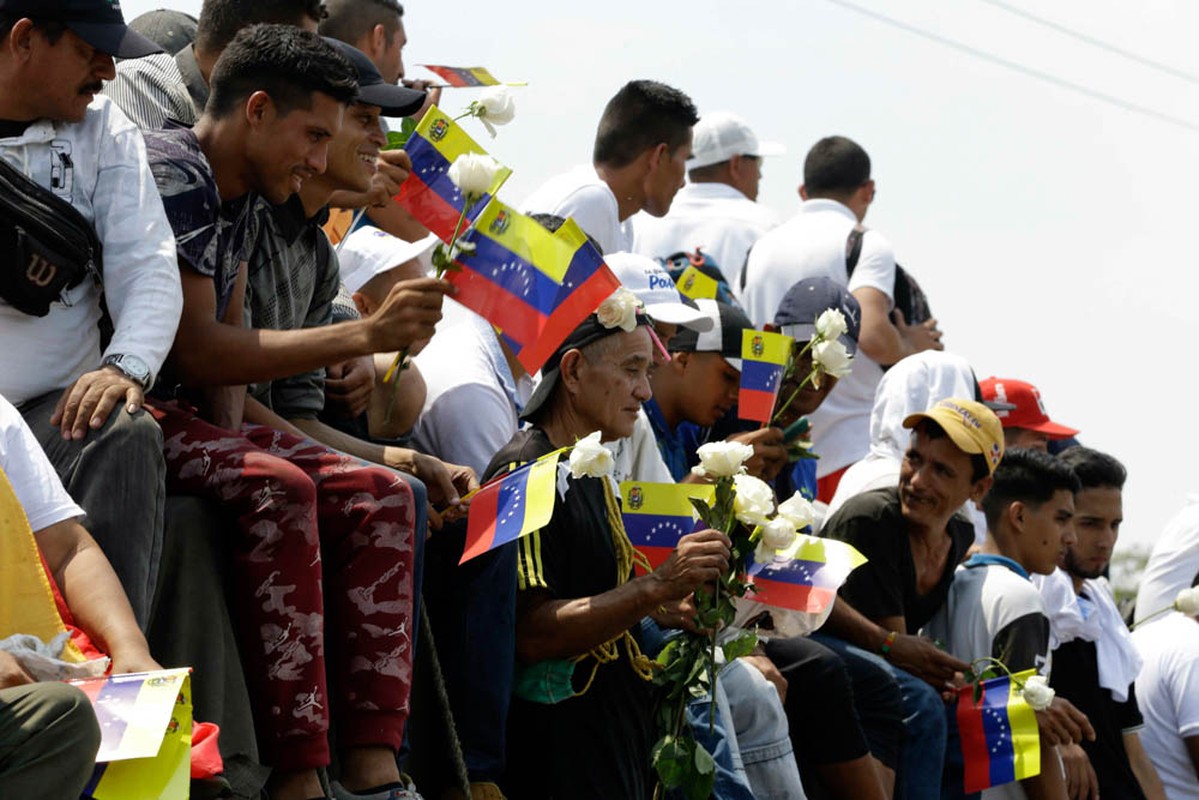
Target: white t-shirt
column 471, row 399
column 811, row 245
column 582, row 195
column 1168, row 694
column 33, row 479
column 713, row 217
column 1174, row 562
column 637, row 458
column 99, row 166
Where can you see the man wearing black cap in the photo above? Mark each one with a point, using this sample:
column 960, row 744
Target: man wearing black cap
column 576, row 602
column 67, row 381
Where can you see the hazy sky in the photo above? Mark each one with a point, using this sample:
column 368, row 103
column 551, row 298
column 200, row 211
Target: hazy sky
column 1048, row 229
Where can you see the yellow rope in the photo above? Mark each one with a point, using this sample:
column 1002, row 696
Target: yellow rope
column 626, row 557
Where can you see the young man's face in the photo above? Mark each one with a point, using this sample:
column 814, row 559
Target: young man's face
column 354, row 150
column 1048, row 532
column 665, row 180
column 709, row 386
column 614, row 385
column 286, row 150
column 807, row 399
column 69, row 75
column 1098, row 513
column 935, row 479
column 1023, row 437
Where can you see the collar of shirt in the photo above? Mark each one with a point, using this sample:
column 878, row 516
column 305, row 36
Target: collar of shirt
column 670, row 444
column 714, row 191
column 821, row 204
column 990, row 559
column 502, row 371
column 192, row 79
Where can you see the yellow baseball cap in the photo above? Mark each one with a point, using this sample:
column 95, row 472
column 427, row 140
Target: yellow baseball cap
column 971, row 426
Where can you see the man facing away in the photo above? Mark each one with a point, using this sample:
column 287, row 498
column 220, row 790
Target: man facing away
column 641, row 149
column 82, row 394
column 837, row 192
column 717, row 211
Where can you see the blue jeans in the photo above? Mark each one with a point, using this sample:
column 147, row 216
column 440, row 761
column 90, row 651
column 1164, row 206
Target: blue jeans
column 761, row 732
column 923, row 754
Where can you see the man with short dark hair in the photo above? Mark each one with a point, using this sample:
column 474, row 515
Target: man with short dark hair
column 641, row 149
column 80, row 392
column 175, row 87
column 914, row 541
column 1095, row 662
column 278, row 98
column 717, row 211
column 993, row 610
column 837, row 192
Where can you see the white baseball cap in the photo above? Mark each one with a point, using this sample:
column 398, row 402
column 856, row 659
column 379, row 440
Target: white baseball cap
column 721, row 135
column 369, row 251
column 655, row 288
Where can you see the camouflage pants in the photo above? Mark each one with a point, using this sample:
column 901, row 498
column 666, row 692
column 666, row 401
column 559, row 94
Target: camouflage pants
column 306, row 514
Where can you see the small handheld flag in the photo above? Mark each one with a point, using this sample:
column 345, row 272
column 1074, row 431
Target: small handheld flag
column 696, row 285
column 656, row 515
column 763, row 358
column 511, row 506
column 463, row 76
column 1000, row 740
column 806, row 576
column 428, row 193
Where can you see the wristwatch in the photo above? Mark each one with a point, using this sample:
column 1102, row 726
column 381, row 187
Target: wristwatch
column 132, row 366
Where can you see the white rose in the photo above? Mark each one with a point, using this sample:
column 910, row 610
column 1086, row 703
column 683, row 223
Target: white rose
column 619, row 310
column 722, row 459
column 753, row 501
column 832, row 358
column 474, row 173
column 496, row 106
column 778, row 533
column 1187, row 601
column 1037, row 693
column 798, row 511
column 831, row 324
column 590, row 458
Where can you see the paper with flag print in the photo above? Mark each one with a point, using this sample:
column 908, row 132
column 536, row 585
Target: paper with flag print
column 696, row 285
column 804, row 577
column 511, row 506
column 656, row 515
column 1000, row 740
column 534, row 285
column 428, row 193
column 763, row 358
column 463, row 76
column 145, row 735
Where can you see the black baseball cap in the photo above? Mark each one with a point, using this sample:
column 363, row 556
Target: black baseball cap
column 97, row 22
column 724, row 337
column 803, row 304
column 393, row 99
column 170, row 30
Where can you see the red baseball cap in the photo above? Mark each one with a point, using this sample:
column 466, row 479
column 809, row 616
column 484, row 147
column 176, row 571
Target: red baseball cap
column 1028, row 412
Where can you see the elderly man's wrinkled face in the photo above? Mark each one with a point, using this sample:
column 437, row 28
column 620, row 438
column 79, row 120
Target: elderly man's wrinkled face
column 610, row 381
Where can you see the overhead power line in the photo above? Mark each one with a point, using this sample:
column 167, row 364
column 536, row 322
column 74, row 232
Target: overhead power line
column 1046, row 77
column 1091, row 40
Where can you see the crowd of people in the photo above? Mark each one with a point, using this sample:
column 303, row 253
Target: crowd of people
column 204, row 282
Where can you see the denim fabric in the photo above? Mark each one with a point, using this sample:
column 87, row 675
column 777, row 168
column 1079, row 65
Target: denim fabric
column 761, row 732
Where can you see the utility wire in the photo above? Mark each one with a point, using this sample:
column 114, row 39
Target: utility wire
column 1094, row 94
column 1091, row 40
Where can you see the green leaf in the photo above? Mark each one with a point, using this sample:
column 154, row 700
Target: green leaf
column 703, row 509
column 672, row 760
column 700, row 782
column 743, row 645
column 397, row 140
column 704, row 763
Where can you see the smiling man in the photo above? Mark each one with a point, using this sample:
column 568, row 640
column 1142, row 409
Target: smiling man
column 914, row 541
column 82, row 395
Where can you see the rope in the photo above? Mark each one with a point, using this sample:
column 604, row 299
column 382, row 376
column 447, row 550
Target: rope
column 429, row 646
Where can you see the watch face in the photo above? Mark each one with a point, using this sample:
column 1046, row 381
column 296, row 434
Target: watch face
column 132, row 366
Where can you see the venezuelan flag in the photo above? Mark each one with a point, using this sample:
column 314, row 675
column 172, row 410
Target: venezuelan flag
column 1000, row 741
column 805, row 576
column 763, row 358
column 696, row 285
column 463, row 76
column 428, row 193
column 656, row 515
column 514, row 504
column 534, row 285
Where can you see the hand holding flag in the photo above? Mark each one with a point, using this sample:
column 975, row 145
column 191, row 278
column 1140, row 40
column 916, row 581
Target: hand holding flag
column 764, row 357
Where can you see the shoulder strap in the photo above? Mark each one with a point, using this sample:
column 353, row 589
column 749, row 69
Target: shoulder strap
column 853, row 249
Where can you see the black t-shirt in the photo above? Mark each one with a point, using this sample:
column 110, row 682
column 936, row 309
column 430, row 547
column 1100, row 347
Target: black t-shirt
column 596, row 745
column 1075, row 676
column 885, row 586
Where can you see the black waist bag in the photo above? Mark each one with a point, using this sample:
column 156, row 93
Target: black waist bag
column 46, row 245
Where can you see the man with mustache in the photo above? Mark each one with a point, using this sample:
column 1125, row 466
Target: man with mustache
column 82, row 394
